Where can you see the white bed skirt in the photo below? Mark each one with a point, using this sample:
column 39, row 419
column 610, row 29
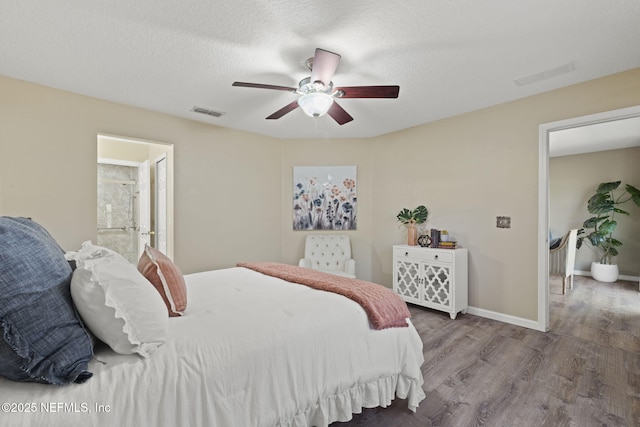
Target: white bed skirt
column 376, row 393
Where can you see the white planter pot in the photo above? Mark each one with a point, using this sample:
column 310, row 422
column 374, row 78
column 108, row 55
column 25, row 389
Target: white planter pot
column 604, row 272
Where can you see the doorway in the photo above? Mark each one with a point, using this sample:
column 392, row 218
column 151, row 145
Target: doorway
column 135, row 196
column 545, row 130
column 121, row 206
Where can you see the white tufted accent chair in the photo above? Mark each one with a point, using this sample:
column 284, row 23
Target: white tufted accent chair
column 330, row 253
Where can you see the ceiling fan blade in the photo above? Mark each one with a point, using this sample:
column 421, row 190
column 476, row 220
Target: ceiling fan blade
column 262, row 86
column 284, row 110
column 324, row 66
column 369, row 91
column 339, row 114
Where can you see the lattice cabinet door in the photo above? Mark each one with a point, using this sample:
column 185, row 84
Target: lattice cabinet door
column 436, row 285
column 432, row 277
column 407, row 280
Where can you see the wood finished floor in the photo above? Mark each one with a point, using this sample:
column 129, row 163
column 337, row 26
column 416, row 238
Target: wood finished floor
column 480, row 372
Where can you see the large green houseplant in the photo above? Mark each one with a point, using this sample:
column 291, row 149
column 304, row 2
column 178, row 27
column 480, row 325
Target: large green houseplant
column 411, row 219
column 598, row 231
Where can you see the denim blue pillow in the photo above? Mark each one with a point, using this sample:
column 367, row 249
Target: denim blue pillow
column 43, row 339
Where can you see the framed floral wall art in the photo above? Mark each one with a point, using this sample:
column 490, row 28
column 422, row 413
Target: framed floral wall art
column 324, row 198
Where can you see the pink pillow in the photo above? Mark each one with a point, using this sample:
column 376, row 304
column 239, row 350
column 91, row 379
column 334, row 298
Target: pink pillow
column 166, row 277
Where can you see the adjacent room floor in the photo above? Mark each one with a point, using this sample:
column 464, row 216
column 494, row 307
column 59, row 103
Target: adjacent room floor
column 480, row 372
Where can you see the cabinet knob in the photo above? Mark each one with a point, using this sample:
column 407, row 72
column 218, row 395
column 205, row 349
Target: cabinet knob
column 436, row 256
column 406, row 254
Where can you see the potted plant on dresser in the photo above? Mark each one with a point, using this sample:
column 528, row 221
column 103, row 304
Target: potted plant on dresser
column 411, row 219
column 598, row 230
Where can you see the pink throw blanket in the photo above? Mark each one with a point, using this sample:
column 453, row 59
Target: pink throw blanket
column 384, row 308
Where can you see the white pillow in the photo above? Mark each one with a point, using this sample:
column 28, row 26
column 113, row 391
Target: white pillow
column 116, row 302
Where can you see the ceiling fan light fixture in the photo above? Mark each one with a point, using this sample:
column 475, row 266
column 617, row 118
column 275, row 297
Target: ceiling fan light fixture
column 316, row 93
column 315, row 104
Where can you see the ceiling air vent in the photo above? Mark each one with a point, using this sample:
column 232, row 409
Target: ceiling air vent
column 546, row 74
column 207, row 112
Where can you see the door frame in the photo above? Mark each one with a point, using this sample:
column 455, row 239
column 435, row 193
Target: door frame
column 153, row 149
column 543, row 195
column 144, row 205
column 158, row 211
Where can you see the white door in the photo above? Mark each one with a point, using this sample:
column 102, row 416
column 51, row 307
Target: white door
column 144, row 206
column 160, row 241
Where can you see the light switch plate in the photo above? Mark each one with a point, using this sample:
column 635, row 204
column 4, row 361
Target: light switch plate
column 503, row 222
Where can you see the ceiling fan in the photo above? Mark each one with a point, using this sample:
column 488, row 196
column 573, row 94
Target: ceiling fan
column 317, row 94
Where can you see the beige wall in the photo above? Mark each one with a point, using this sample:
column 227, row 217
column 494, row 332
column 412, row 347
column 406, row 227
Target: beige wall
column 574, row 179
column 467, row 170
column 224, row 210
column 232, row 206
column 351, row 152
column 119, row 149
column 471, row 168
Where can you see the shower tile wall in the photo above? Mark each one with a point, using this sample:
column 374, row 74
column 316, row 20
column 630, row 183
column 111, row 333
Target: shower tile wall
column 117, row 210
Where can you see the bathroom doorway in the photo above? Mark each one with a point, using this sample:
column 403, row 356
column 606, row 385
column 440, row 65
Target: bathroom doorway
column 123, row 213
column 135, row 196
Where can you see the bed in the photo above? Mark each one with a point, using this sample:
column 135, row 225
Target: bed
column 249, row 350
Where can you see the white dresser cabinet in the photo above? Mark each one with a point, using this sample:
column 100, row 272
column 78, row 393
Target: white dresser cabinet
column 434, row 278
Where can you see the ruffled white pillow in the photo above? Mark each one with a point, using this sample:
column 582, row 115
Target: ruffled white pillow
column 116, row 302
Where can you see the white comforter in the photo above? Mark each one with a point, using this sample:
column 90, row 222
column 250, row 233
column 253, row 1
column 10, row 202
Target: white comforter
column 251, row 350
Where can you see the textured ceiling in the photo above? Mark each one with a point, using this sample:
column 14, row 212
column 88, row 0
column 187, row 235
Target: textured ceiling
column 448, row 57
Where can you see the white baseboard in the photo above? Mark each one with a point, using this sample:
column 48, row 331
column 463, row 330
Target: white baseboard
column 527, row 323
column 506, row 318
column 581, row 273
column 621, row 277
